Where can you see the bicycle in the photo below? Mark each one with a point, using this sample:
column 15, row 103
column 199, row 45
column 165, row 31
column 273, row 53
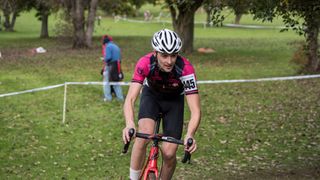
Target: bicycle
column 150, row 170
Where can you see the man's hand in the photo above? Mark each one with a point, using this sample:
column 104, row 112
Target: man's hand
column 125, row 134
column 193, row 146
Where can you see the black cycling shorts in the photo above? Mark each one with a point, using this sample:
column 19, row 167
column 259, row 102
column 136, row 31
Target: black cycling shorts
column 171, row 106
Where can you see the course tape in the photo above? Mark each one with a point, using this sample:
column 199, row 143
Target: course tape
column 259, row 80
column 98, row 83
column 253, row 26
column 204, row 23
column 199, row 82
column 31, row 90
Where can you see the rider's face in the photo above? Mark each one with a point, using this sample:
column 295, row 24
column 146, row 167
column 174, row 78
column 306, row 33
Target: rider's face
column 166, row 61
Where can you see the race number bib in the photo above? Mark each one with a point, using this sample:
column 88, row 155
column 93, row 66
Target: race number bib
column 189, row 83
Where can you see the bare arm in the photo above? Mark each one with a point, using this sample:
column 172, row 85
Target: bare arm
column 128, row 109
column 193, row 101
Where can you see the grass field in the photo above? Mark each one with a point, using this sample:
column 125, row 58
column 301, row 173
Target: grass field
column 265, row 130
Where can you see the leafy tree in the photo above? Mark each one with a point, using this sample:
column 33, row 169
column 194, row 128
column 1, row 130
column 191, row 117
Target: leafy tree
column 301, row 15
column 239, row 8
column 83, row 26
column 118, row 7
column 0, row 21
column 213, row 9
column 44, row 9
column 127, row 7
column 208, row 7
column 182, row 14
column 11, row 10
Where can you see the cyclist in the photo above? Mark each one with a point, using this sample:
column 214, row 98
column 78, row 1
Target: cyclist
column 165, row 77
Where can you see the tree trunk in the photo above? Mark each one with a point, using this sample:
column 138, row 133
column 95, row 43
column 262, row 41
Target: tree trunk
column 209, row 18
column 312, row 52
column 237, row 18
column 183, row 24
column 185, row 28
column 90, row 22
column 77, row 11
column 13, row 21
column 44, row 26
column 8, row 24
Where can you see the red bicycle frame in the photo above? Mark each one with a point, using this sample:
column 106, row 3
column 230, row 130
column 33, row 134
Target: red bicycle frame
column 152, row 164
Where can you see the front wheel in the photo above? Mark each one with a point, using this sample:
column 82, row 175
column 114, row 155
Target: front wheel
column 152, row 176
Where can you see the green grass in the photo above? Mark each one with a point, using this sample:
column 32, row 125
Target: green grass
column 265, row 130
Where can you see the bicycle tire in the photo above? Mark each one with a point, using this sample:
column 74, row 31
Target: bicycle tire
column 152, row 176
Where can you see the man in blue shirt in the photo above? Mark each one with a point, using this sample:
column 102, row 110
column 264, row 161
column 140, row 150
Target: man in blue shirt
column 111, row 55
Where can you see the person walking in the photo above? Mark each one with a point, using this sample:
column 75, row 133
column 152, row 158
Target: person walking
column 112, row 60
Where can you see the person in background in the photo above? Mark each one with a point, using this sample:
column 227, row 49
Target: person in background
column 111, row 55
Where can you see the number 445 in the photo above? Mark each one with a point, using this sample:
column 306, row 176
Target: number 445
column 189, row 84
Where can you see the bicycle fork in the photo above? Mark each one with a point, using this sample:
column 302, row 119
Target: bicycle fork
column 152, row 166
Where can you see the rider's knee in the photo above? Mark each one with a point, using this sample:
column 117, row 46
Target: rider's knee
column 169, row 155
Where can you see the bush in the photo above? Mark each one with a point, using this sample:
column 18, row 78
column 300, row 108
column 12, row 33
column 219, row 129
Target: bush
column 63, row 28
column 300, row 58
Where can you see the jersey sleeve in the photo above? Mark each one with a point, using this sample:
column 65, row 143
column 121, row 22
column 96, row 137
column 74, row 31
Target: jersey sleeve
column 189, row 79
column 141, row 70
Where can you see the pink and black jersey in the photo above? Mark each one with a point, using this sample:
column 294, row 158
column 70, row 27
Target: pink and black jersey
column 181, row 79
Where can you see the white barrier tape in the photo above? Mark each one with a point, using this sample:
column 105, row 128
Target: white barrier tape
column 204, row 23
column 151, row 21
column 157, row 20
column 199, row 82
column 259, row 80
column 99, row 83
column 253, row 26
column 31, row 90
column 141, row 21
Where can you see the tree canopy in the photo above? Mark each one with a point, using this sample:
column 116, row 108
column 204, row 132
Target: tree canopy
column 303, row 16
column 11, row 10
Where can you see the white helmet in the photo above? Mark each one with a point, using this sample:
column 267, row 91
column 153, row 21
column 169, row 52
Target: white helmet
column 166, row 41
